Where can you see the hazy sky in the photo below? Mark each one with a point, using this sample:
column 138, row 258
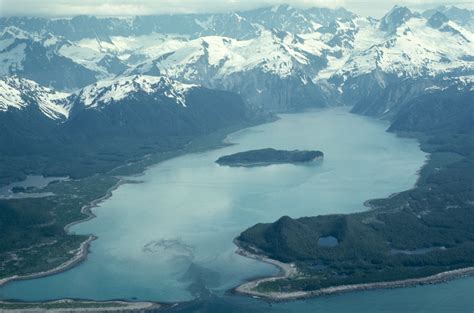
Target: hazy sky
column 375, row 8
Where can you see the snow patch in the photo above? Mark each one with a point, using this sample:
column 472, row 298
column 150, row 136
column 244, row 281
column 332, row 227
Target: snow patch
column 11, row 59
column 19, row 93
column 109, row 91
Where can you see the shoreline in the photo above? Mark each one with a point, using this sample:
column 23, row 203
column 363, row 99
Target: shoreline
column 248, row 288
column 83, row 250
column 87, row 209
column 80, row 254
column 286, row 270
column 71, row 305
column 368, row 203
column 262, row 164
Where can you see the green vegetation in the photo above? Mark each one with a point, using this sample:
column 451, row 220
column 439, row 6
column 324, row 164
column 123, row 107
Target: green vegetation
column 415, row 233
column 32, row 229
column 268, row 156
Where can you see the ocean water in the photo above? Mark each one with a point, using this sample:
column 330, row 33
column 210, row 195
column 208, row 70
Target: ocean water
column 169, row 238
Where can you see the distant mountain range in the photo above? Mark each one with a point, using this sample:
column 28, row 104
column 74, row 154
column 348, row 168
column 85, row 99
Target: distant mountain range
column 279, row 58
column 106, row 123
column 239, row 25
column 100, row 79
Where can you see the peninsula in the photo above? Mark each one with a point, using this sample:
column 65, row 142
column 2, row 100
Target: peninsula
column 419, row 236
column 268, row 156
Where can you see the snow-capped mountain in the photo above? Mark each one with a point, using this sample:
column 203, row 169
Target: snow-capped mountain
column 437, row 20
column 106, row 92
column 395, row 18
column 150, row 106
column 388, row 68
column 274, row 52
column 153, row 83
column 17, row 94
column 265, row 70
column 112, row 64
column 239, row 25
column 417, row 47
column 462, row 17
column 295, row 20
column 28, row 113
column 252, row 67
column 144, row 112
column 279, row 58
column 37, row 58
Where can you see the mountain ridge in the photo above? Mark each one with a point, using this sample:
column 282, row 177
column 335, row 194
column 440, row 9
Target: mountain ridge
column 312, row 59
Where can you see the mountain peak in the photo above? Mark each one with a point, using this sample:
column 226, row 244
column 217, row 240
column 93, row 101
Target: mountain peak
column 19, row 93
column 109, row 91
column 437, row 20
column 463, row 17
column 394, row 18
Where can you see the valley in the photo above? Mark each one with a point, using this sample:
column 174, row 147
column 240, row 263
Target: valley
column 179, row 212
column 149, row 137
column 51, row 249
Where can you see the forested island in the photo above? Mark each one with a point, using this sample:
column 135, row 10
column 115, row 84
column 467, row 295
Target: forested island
column 269, row 156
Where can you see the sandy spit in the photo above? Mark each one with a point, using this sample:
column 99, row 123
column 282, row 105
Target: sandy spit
column 289, row 270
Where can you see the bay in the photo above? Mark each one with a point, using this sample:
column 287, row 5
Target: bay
column 169, row 238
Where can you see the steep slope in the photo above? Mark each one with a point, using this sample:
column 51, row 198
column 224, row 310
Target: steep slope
column 256, row 69
column 463, row 17
column 280, row 58
column 239, row 25
column 418, row 54
column 37, row 58
column 154, row 108
column 106, row 123
column 19, row 94
column 94, row 55
column 28, row 112
column 295, row 20
column 415, row 49
column 441, row 110
column 396, row 17
column 72, row 29
column 196, row 25
column 102, row 93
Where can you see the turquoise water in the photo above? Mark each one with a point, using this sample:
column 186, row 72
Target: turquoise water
column 452, row 297
column 170, row 237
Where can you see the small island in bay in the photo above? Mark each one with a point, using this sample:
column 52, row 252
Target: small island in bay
column 269, row 156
